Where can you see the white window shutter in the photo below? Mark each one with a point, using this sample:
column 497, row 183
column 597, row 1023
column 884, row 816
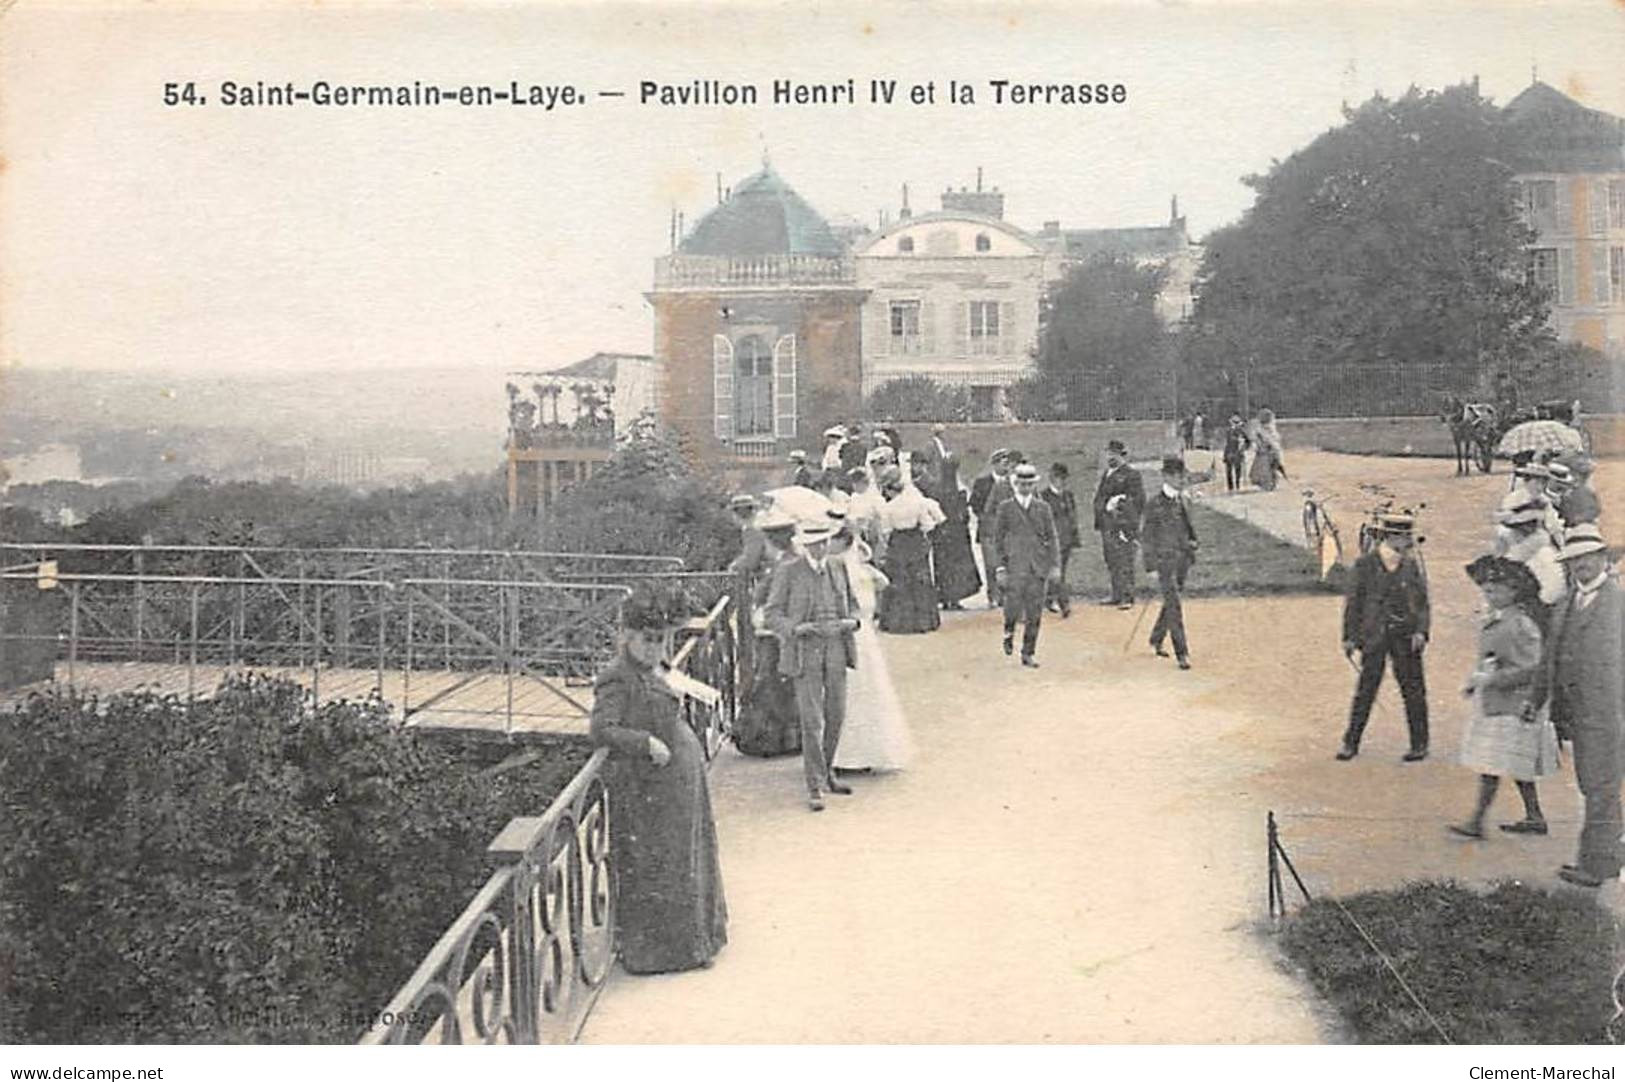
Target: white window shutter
column 1565, row 276
column 1599, row 273
column 961, row 328
column 879, row 328
column 722, row 388
column 784, row 387
column 1597, row 205
column 1565, row 206
column 928, row 328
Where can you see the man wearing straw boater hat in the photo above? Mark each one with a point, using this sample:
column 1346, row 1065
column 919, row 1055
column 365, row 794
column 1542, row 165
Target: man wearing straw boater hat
column 1385, row 616
column 812, row 609
column 1027, row 558
column 1581, row 680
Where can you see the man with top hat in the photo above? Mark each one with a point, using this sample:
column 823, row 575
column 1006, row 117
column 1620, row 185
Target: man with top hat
column 1386, row 617
column 1119, row 504
column 1170, row 549
column 1580, row 680
column 1236, row 443
column 812, row 609
column 1027, row 558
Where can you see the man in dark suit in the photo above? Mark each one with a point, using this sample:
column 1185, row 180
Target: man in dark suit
column 811, row 607
column 1581, row 679
column 855, row 451
column 1386, row 616
column 987, row 492
column 800, row 473
column 1063, row 505
column 1119, row 505
column 1170, row 549
column 1027, row 558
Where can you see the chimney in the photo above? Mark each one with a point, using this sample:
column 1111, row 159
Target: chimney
column 989, row 204
column 978, row 178
column 674, row 229
column 680, row 225
column 719, row 189
column 905, row 214
column 1173, row 210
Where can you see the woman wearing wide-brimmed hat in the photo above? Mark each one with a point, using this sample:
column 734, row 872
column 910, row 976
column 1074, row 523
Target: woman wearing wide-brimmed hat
column 670, row 910
column 1499, row 741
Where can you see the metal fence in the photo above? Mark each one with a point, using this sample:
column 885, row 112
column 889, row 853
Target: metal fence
column 527, row 958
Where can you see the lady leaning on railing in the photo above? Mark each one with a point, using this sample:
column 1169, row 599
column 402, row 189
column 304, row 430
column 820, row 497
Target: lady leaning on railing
column 672, row 915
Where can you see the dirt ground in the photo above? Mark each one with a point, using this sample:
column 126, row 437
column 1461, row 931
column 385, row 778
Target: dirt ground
column 1078, row 854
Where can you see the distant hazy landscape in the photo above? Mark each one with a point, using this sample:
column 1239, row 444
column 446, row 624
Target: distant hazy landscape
column 387, row 425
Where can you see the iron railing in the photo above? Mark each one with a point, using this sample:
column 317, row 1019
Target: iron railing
column 525, row 961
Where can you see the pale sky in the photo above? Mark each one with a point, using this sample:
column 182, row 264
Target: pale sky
column 231, row 240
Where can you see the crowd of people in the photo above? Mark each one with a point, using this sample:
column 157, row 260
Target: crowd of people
column 880, row 540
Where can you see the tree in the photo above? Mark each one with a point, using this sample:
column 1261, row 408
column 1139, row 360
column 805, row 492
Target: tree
column 1101, row 345
column 919, row 398
column 1389, row 243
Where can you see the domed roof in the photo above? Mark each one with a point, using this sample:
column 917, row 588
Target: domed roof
column 762, row 216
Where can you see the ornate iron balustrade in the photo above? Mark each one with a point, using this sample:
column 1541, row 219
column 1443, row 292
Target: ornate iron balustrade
column 525, row 961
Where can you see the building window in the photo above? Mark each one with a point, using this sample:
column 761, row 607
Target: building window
column 1542, row 269
column 983, row 243
column 1616, row 204
column 984, row 326
column 905, row 245
column 1540, row 204
column 1616, row 274
column 753, row 393
column 905, row 326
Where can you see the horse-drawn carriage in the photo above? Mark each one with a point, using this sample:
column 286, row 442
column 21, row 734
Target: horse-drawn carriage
column 1479, row 429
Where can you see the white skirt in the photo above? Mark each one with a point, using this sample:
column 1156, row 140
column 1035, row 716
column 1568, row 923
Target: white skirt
column 875, row 736
column 1507, row 746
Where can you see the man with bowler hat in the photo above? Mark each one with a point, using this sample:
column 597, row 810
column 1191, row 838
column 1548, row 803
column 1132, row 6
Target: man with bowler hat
column 1027, row 559
column 1385, row 616
column 1119, row 504
column 1170, row 549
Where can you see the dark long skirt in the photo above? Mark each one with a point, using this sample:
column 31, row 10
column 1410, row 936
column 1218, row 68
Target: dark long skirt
column 768, row 723
column 953, row 563
column 672, row 915
column 909, row 604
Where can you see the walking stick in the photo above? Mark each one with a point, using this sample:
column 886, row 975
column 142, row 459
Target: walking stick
column 1138, row 620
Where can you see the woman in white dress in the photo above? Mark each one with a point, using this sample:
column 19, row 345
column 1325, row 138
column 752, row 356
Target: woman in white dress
column 876, row 735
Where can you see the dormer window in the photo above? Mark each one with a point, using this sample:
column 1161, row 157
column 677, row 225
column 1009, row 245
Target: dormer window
column 905, row 245
column 983, row 243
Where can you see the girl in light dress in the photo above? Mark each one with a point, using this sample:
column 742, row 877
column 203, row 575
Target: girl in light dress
column 876, row 735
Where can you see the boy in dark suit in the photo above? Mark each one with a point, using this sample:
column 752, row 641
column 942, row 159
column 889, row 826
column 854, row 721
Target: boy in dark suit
column 987, row 492
column 1063, row 506
column 1386, row 616
column 1027, row 559
column 1119, row 503
column 1170, row 549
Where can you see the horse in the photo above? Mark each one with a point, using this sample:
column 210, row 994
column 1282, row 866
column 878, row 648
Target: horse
column 1474, row 427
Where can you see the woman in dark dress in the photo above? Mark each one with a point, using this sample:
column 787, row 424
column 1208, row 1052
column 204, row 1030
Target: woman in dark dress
column 952, row 560
column 672, row 915
column 909, row 604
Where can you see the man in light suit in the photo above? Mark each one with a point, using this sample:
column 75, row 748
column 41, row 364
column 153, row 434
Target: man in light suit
column 811, row 607
column 1581, row 680
column 1027, row 556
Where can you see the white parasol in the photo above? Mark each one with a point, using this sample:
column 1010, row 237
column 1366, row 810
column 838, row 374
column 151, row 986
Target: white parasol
column 1540, row 436
column 801, row 503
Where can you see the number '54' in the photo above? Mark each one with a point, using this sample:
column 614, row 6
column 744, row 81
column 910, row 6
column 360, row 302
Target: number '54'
column 181, row 93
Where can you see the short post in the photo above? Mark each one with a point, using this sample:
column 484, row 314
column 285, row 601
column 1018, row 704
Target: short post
column 406, row 673
column 73, row 629
column 1274, row 873
column 382, row 593
column 316, row 654
column 191, row 657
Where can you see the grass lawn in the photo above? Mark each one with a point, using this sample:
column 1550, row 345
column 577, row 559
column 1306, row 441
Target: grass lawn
column 1236, row 558
column 1515, row 965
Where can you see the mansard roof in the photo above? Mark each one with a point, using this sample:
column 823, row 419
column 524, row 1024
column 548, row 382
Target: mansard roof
column 762, row 216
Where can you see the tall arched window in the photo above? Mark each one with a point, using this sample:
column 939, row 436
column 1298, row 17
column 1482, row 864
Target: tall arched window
column 753, row 367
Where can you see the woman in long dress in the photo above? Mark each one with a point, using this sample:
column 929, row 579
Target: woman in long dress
column 909, row 603
column 953, row 562
column 1499, row 740
column 671, row 914
column 1267, row 461
column 875, row 736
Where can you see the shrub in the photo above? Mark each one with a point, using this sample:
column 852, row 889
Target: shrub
column 919, row 398
column 244, row 869
column 1515, row 965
